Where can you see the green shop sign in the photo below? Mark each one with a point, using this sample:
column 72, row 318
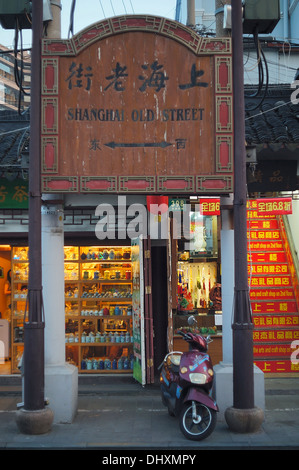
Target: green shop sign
column 13, row 194
column 177, row 204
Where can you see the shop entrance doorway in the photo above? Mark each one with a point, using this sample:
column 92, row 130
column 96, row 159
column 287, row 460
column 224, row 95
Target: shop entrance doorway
column 160, row 304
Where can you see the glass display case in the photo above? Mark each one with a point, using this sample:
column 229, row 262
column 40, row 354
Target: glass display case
column 19, row 289
column 98, row 308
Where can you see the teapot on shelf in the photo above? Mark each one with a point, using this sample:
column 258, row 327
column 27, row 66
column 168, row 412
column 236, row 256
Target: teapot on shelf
column 127, row 254
column 111, row 310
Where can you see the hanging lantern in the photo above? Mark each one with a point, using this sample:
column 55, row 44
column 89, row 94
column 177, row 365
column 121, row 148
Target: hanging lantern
column 157, row 204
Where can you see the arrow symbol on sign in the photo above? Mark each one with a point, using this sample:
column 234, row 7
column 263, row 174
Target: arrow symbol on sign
column 114, row 145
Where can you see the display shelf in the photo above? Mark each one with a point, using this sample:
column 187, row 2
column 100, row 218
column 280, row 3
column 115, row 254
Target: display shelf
column 20, row 253
column 19, row 289
column 98, row 291
column 98, row 284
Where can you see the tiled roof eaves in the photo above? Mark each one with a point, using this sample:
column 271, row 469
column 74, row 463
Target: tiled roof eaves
column 275, row 120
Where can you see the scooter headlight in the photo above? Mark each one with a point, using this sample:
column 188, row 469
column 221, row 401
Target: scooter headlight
column 198, row 378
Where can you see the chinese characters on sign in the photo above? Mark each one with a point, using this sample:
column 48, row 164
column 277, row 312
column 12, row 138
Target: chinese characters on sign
column 209, row 206
column 275, row 335
column 116, row 78
column 77, row 77
column 195, row 74
column 273, row 176
column 13, row 194
column 156, row 78
column 153, row 77
column 268, row 366
column 276, row 321
column 266, row 281
column 274, row 307
column 268, row 269
column 271, row 206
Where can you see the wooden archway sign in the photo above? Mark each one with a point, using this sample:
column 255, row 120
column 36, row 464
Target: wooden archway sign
column 137, row 104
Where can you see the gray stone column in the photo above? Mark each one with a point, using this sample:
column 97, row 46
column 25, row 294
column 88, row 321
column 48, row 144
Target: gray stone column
column 61, row 378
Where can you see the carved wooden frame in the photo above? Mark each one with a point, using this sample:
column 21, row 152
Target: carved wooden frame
column 218, row 48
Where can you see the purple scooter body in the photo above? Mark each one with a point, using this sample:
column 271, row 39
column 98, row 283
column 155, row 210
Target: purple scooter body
column 186, row 382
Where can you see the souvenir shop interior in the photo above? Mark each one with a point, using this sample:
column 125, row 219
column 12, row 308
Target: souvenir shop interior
column 98, row 307
column 199, row 283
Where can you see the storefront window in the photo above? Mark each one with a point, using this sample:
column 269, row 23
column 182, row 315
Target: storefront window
column 198, row 287
column 98, row 308
column 203, row 241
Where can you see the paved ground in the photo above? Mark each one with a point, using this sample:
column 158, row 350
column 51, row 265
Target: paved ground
column 125, row 416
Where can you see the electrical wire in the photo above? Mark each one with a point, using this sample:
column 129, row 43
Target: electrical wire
column 9, row 51
column 282, row 66
column 124, row 6
column 268, row 110
column 19, row 73
column 132, row 7
column 260, row 68
column 263, row 75
column 15, row 130
column 270, row 63
column 277, row 73
column 102, row 9
column 112, row 7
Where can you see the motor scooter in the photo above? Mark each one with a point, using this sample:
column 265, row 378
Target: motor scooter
column 186, row 382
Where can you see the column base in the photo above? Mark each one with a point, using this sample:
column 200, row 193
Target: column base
column 244, row 421
column 61, row 389
column 35, row 421
column 224, row 388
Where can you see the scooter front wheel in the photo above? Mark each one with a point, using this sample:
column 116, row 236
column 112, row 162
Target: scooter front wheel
column 197, row 421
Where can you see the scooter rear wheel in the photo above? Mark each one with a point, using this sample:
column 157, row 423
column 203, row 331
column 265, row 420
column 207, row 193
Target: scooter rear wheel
column 200, row 427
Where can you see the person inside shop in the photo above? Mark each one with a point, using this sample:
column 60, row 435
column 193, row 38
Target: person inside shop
column 215, row 296
column 7, row 285
column 7, row 293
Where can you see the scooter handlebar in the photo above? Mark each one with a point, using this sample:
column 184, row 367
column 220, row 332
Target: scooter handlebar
column 198, row 340
column 185, row 335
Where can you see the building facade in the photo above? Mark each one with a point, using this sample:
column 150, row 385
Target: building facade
column 15, row 72
column 280, row 47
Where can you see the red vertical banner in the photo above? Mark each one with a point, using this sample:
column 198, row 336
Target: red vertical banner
column 272, row 287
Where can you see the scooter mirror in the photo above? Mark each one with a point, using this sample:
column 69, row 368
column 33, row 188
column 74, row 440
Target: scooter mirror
column 191, row 320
